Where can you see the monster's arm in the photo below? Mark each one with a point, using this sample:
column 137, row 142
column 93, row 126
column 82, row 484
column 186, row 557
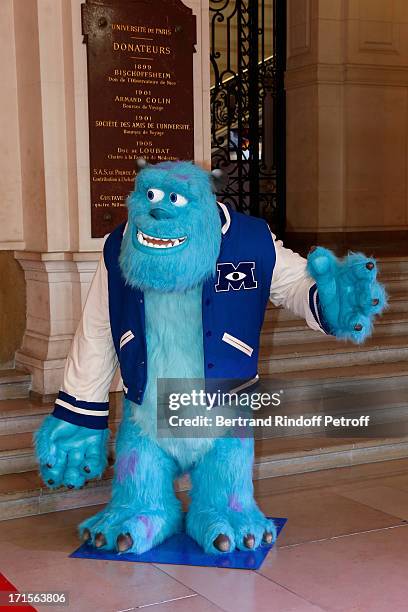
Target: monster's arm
column 293, row 288
column 338, row 297
column 71, row 443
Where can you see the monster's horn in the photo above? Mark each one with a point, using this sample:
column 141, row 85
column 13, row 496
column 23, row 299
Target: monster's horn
column 218, row 179
column 141, row 163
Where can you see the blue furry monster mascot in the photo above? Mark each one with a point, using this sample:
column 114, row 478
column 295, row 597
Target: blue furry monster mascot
column 180, row 292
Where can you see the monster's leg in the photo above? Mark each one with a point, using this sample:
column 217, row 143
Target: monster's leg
column 223, row 513
column 144, row 509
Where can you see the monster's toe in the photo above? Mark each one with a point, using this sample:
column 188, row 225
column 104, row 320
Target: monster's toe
column 249, row 541
column 211, row 530
column 100, row 540
column 267, row 537
column 124, row 542
column 86, row 535
column 222, row 543
column 122, row 530
column 224, row 530
column 251, row 528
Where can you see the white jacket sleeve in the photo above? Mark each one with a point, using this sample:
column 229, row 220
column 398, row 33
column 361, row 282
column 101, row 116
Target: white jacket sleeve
column 292, row 287
column 91, row 363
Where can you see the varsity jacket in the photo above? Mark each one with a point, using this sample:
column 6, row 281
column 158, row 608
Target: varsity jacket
column 252, row 268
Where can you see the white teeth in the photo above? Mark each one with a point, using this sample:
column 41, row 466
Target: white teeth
column 165, row 243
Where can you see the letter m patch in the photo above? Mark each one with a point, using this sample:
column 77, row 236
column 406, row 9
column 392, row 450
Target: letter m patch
column 236, row 277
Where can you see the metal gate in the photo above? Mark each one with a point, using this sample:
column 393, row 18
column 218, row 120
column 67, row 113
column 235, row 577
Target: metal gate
column 248, row 53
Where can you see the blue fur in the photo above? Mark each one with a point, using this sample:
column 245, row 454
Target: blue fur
column 174, row 345
column 180, row 267
column 147, row 493
column 219, row 469
column 346, row 290
column 143, row 502
column 222, row 498
column 68, row 449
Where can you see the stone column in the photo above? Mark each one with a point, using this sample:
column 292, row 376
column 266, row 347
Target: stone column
column 51, row 227
column 347, row 120
column 52, row 294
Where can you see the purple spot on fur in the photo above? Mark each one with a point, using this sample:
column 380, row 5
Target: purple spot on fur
column 148, row 525
column 183, row 177
column 126, row 465
column 234, row 503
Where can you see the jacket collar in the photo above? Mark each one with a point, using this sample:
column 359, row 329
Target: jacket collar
column 225, row 218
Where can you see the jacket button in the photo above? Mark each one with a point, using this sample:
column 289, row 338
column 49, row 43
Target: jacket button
column 210, row 365
column 208, row 334
column 142, row 363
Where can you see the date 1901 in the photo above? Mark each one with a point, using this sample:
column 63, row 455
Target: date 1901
column 10, row 599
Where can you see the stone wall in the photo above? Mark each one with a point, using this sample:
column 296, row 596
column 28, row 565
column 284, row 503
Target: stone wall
column 347, row 117
column 12, row 308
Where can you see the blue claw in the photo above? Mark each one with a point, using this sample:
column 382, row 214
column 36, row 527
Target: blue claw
column 321, row 262
column 361, row 267
column 379, row 299
column 349, row 294
column 64, row 449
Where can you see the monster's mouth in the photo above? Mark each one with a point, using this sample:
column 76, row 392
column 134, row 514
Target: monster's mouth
column 159, row 243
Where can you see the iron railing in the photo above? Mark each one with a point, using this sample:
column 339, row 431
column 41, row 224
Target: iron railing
column 248, row 53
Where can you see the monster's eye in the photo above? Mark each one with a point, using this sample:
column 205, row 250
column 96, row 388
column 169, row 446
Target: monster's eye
column 177, row 199
column 155, row 195
column 235, row 276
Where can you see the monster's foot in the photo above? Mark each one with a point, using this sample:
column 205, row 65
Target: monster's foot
column 124, row 529
column 219, row 530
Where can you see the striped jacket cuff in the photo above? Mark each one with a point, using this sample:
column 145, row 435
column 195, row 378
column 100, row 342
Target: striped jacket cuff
column 314, row 305
column 93, row 415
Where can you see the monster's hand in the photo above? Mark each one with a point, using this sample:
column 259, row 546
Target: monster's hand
column 69, row 454
column 349, row 294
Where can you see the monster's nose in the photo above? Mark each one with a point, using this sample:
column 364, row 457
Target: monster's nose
column 160, row 213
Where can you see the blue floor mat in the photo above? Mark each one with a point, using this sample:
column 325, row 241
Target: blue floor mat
column 180, row 549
